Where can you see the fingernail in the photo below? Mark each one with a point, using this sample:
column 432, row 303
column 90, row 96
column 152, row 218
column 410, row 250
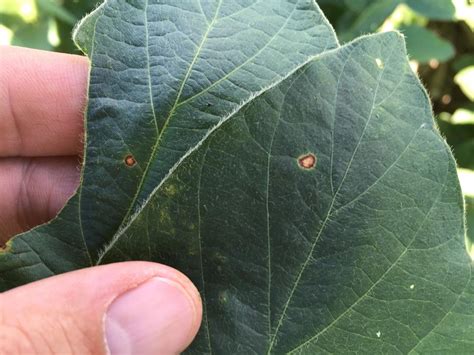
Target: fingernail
column 157, row 317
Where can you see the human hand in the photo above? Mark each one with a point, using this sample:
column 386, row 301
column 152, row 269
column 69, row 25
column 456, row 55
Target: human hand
column 42, row 98
column 125, row 308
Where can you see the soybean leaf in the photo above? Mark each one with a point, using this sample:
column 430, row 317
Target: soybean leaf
column 370, row 18
column 434, row 9
column 470, row 219
column 465, row 80
column 424, row 45
column 33, row 35
column 303, row 187
column 164, row 75
column 56, row 10
column 466, row 177
column 326, row 216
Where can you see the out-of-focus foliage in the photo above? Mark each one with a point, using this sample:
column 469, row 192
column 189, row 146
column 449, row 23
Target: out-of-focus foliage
column 42, row 24
column 424, row 45
column 464, row 79
column 440, row 41
column 467, row 181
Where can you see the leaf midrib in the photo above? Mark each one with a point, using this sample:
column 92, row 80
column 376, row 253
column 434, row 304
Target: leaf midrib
column 121, row 231
column 127, row 218
column 178, row 104
column 155, row 148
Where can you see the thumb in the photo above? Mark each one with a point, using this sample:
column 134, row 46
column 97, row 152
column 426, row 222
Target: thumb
column 125, row 308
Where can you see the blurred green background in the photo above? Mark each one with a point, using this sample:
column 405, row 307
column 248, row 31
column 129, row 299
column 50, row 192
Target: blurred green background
column 440, row 42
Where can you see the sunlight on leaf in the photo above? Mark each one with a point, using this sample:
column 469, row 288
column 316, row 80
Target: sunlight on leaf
column 466, row 177
column 6, row 35
column 463, row 116
column 403, row 15
column 26, row 9
column 465, row 11
column 53, row 37
column 465, row 80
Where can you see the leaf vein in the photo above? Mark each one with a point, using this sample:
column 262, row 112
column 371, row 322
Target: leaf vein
column 329, row 214
column 367, row 293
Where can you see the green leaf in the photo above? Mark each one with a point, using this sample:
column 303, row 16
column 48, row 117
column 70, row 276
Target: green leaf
column 26, row 9
column 371, row 18
column 78, row 9
column 364, row 250
column 460, row 138
column 466, row 177
column 463, row 61
column 434, row 9
column 163, row 77
column 356, row 5
column 470, row 216
column 302, row 186
column 465, row 12
column 464, row 115
column 363, row 16
column 52, row 8
column 424, row 45
column 32, row 35
column 465, row 80
column 463, row 153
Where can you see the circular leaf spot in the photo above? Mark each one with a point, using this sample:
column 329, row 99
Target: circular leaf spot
column 307, row 161
column 130, row 161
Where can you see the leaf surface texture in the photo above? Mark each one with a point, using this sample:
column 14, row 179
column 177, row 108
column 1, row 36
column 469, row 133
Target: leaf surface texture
column 302, row 186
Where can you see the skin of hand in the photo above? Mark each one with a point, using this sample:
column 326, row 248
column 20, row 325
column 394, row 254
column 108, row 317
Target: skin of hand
column 124, row 308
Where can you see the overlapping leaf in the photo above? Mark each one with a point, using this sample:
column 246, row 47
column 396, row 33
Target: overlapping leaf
column 365, row 250
column 359, row 250
column 163, row 76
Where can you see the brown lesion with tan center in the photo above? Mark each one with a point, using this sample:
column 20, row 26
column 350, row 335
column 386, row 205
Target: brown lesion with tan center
column 307, row 161
column 130, row 161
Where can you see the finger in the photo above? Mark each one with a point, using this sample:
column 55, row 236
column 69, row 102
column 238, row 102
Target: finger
column 42, row 99
column 126, row 308
column 33, row 190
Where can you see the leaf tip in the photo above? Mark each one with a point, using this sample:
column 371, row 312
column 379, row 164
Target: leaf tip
column 395, row 39
column 83, row 32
